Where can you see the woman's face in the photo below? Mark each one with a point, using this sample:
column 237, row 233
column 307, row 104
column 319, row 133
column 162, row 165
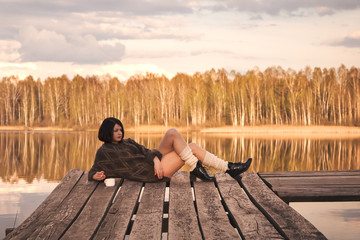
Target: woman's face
column 117, row 133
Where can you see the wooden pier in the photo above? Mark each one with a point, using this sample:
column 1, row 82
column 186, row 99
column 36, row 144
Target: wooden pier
column 250, row 207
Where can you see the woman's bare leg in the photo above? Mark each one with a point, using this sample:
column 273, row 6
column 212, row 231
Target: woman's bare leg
column 171, row 146
column 171, row 163
column 172, row 141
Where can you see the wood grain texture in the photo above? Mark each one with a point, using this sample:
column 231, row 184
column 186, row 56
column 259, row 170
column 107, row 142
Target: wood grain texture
column 315, row 186
column 62, row 216
column 47, row 207
column 183, row 223
column 214, row 222
column 90, row 217
column 290, row 222
column 311, row 173
column 119, row 215
column 148, row 221
column 81, row 209
column 252, row 223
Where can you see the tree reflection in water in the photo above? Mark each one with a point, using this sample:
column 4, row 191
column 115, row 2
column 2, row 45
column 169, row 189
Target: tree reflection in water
column 34, row 155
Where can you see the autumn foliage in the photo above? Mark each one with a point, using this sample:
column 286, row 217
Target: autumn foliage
column 213, row 98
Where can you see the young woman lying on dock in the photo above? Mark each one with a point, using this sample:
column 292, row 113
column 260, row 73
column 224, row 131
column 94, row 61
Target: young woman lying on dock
column 125, row 158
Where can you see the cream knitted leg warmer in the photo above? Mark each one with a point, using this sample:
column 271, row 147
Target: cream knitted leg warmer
column 211, row 160
column 188, row 157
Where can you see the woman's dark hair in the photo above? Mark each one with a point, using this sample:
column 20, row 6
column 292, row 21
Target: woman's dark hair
column 106, row 129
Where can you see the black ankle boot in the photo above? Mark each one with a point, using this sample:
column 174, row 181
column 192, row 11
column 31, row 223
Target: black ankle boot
column 201, row 173
column 236, row 169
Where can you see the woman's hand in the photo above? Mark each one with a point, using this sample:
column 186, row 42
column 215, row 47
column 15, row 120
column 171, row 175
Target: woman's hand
column 158, row 168
column 99, row 176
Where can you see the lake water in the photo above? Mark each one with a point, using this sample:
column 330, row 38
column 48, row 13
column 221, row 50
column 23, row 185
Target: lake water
column 32, row 164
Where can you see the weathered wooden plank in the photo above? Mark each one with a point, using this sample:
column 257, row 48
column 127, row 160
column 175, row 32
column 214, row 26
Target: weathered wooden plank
column 183, row 223
column 90, row 217
column 318, row 194
column 47, row 207
column 252, row 223
column 56, row 224
column 318, row 187
column 148, row 221
column 336, row 181
column 119, row 215
column 214, row 222
column 287, row 221
column 310, row 173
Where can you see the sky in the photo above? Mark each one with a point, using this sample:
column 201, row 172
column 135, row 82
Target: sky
column 121, row 38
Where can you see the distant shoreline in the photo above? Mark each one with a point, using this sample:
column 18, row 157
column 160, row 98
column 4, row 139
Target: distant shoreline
column 272, row 130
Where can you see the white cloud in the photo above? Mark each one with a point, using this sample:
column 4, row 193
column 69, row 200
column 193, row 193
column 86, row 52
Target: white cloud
column 322, row 11
column 89, row 37
column 276, row 7
column 47, row 45
column 130, row 7
column 352, row 40
column 9, row 50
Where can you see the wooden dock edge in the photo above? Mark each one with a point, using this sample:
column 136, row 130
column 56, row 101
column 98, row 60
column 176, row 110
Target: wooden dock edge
column 227, row 209
column 60, row 192
column 314, row 186
column 288, row 222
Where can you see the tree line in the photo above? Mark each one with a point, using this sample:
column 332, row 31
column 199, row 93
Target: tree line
column 213, row 98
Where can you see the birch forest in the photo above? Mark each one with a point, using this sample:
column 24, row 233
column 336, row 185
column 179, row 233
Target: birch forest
column 213, row 98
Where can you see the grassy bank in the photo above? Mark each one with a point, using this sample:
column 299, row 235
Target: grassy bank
column 287, row 131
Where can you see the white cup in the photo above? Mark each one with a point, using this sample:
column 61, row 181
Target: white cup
column 109, row 182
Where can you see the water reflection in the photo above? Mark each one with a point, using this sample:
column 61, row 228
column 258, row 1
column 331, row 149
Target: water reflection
column 337, row 220
column 32, row 156
column 18, row 200
column 33, row 163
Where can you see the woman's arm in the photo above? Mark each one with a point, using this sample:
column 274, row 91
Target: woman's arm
column 159, row 172
column 95, row 173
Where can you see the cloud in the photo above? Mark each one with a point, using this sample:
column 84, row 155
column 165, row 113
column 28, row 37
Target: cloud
column 351, row 41
column 130, row 7
column 256, row 17
column 78, row 31
column 322, row 11
column 9, row 51
column 46, row 45
column 276, row 7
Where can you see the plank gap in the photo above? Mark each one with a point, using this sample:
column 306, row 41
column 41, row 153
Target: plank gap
column 108, row 208
column 167, row 194
column 141, row 193
column 228, row 213
column 164, row 236
column 133, row 215
column 165, row 216
column 196, row 209
column 79, row 212
column 263, row 211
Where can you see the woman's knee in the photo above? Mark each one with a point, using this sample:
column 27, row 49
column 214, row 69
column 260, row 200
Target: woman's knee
column 172, row 132
column 194, row 147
